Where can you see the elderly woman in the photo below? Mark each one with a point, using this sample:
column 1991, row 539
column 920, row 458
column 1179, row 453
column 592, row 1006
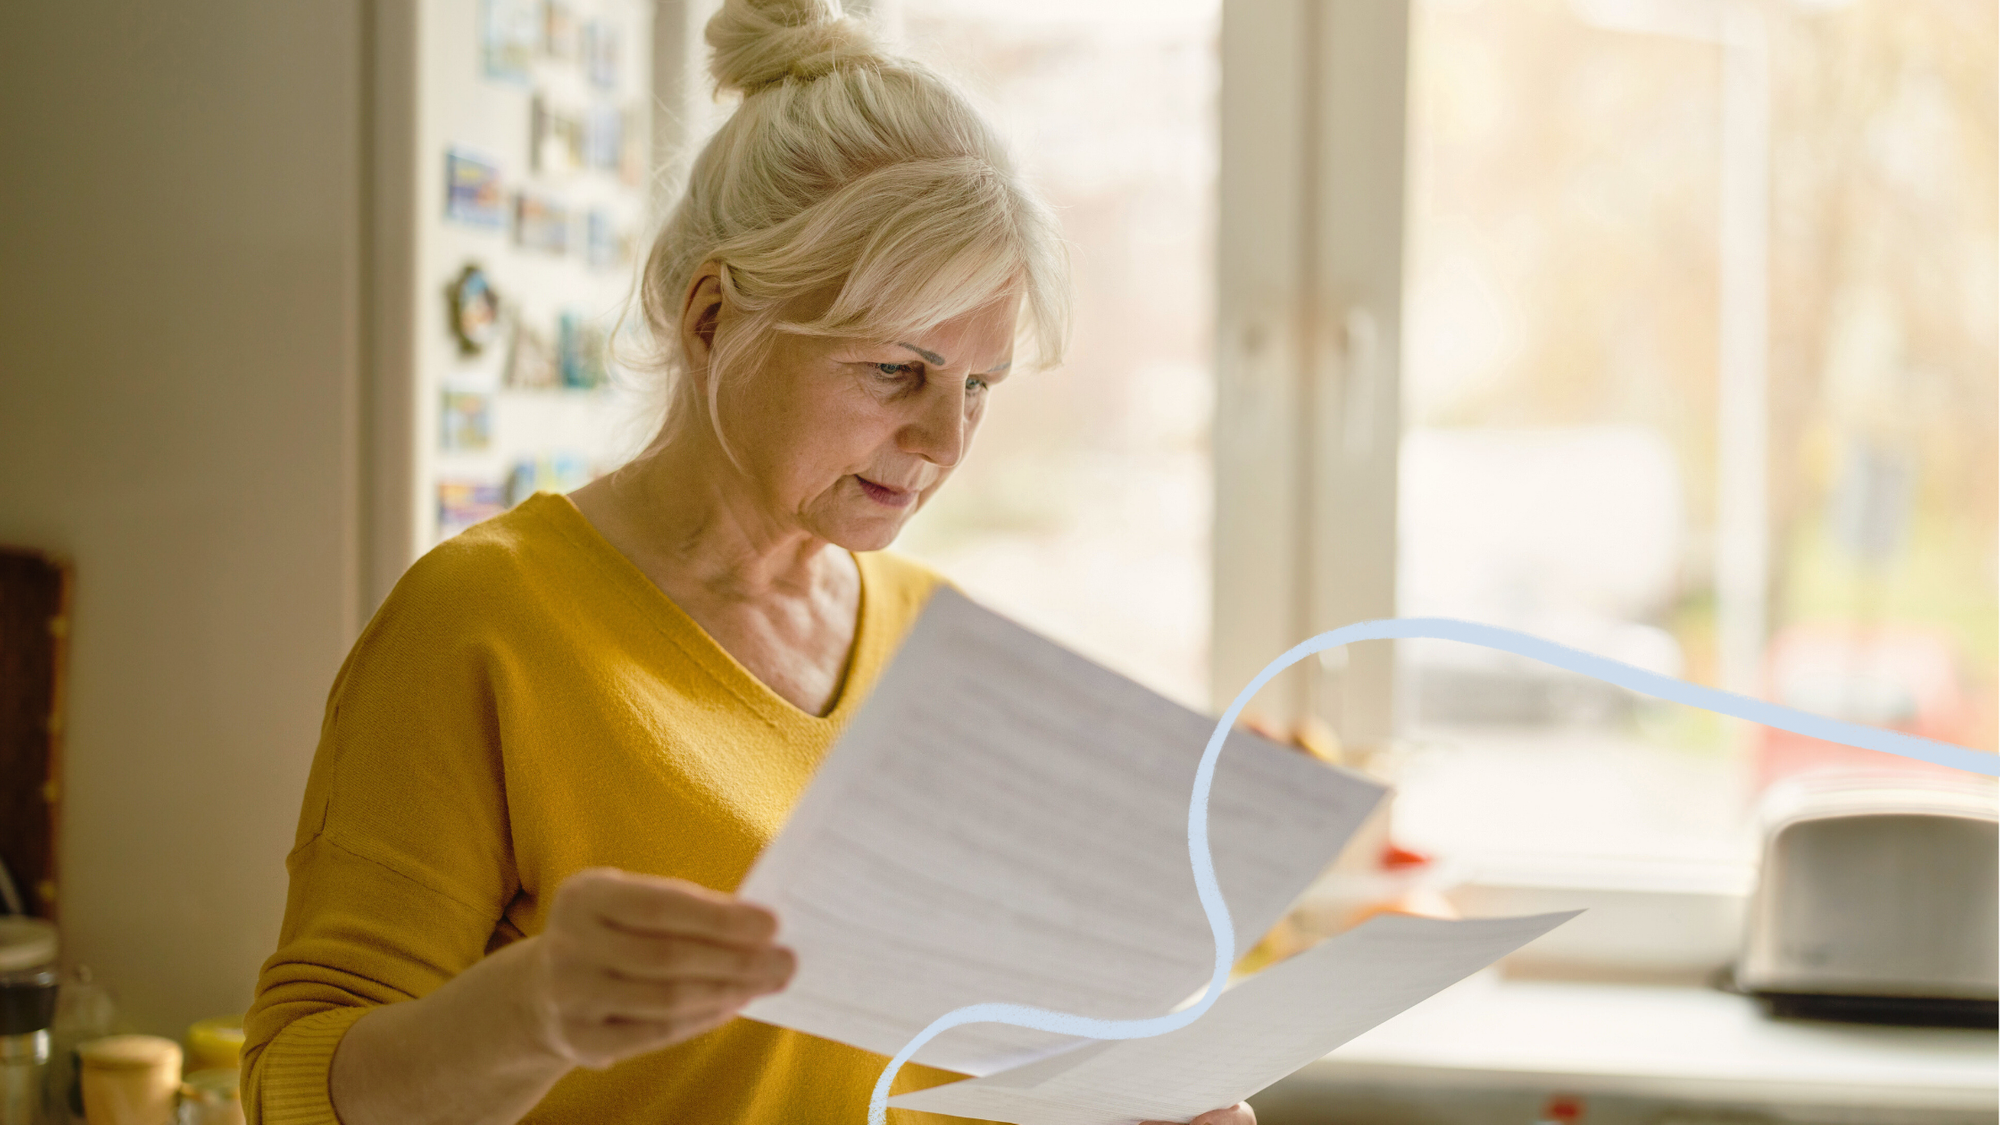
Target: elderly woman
column 567, row 733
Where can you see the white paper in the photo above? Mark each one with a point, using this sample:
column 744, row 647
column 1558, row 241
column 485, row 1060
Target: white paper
column 1258, row 1032
column 1006, row 821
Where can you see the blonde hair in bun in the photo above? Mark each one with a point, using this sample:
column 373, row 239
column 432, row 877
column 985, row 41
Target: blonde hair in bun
column 843, row 168
column 755, row 45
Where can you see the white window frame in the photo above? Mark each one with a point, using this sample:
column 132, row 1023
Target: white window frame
column 1309, row 271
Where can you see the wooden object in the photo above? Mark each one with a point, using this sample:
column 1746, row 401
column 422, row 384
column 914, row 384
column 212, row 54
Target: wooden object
column 34, row 638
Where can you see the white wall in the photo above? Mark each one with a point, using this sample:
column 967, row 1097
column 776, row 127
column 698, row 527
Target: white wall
column 179, row 368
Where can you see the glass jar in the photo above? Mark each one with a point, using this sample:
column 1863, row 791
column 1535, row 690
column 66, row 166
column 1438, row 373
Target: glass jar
column 27, row 1007
column 85, row 1010
column 210, row 1097
column 130, row 1080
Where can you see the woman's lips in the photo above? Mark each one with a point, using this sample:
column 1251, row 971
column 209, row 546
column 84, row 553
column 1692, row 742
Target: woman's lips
column 887, row 497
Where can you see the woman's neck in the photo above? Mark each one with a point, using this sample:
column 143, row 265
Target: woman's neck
column 781, row 601
column 687, row 516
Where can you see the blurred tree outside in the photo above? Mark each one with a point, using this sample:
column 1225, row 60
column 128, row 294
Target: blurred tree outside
column 1563, row 248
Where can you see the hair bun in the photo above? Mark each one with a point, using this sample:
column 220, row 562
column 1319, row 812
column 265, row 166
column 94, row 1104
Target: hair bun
column 760, row 42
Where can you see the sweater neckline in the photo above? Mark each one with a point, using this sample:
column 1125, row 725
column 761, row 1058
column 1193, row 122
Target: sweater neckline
column 653, row 603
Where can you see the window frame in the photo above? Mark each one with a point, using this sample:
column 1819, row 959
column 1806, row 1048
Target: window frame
column 1314, row 130
column 1309, row 274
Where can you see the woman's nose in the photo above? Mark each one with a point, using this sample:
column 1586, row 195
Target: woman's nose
column 938, row 434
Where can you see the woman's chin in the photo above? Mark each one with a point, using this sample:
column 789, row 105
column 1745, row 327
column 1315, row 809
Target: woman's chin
column 866, row 534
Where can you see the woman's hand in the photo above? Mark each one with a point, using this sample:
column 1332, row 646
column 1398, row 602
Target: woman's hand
column 1238, row 1114
column 632, row 963
column 628, row 963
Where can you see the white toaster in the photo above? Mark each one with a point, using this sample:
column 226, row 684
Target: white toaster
column 1876, row 901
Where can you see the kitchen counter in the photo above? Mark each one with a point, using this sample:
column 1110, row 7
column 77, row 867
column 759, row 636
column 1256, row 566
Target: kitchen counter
column 1638, row 1046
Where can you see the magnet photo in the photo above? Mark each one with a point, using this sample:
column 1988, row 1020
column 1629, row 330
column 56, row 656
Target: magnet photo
column 465, row 422
column 474, row 308
column 559, row 31
column 541, row 223
column 462, row 503
column 604, row 244
column 600, row 53
column 509, row 32
column 580, row 346
column 531, row 361
column 472, row 193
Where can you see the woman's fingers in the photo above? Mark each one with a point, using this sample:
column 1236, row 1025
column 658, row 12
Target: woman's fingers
column 654, row 904
column 653, row 957
column 1238, row 1114
column 1311, row 735
column 632, row 963
column 1267, row 728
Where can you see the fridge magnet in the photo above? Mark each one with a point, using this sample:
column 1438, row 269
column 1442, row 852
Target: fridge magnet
column 559, row 31
column 632, row 153
column 604, row 245
column 580, row 347
column 508, row 36
column 538, row 131
column 540, row 223
column 475, row 310
column 531, row 362
column 522, row 481
column 466, row 422
column 604, row 138
column 561, row 471
column 600, row 53
column 557, row 143
column 472, row 192
column 462, row 503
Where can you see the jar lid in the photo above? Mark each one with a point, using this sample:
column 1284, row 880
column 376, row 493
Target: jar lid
column 219, row 1030
column 129, row 1052
column 25, row 943
column 212, row 1087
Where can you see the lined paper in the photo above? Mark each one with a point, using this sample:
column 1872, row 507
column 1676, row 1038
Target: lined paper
column 1006, row 821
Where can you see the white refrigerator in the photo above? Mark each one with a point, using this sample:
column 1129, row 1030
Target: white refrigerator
column 519, row 151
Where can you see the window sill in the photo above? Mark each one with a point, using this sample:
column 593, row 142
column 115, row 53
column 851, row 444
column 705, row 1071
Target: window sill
column 1659, row 923
column 1674, row 1045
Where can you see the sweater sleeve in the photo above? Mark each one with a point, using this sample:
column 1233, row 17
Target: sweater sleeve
column 403, row 867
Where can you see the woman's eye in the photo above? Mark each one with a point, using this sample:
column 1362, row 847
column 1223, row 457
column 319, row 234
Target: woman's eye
column 974, row 384
column 893, row 370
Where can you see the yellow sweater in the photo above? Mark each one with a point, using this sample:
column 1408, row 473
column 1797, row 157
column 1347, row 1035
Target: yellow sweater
column 526, row 704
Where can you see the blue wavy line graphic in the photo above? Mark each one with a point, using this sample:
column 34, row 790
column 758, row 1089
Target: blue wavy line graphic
column 1406, row 628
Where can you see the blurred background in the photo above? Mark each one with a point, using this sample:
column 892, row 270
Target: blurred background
column 1665, row 329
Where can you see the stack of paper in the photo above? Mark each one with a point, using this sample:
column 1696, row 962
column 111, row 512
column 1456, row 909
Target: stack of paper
column 1006, row 821
column 1258, row 1032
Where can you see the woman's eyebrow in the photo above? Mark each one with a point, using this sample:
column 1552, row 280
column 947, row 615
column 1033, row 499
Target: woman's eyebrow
column 939, row 360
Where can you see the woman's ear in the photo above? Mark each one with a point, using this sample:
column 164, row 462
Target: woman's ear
column 700, row 311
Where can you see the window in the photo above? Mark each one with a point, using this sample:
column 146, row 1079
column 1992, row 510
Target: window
column 1663, row 330
column 1666, row 330
column 1700, row 375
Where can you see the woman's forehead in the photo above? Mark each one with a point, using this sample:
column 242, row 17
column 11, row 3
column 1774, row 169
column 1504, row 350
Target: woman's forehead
column 982, row 339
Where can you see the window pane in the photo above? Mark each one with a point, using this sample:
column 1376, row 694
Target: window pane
column 1567, row 468
column 1083, row 509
